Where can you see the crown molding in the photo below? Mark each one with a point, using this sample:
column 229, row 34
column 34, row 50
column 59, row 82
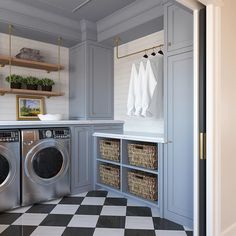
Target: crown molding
column 129, row 17
column 218, row 3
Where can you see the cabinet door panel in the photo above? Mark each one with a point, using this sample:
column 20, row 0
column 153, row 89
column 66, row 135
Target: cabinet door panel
column 179, row 159
column 100, row 82
column 180, row 28
column 81, row 158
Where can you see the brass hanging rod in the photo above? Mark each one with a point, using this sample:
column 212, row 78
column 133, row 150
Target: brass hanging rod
column 117, row 41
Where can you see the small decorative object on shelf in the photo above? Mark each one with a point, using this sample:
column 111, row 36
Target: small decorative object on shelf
column 31, row 83
column 46, row 84
column 110, row 149
column 15, row 81
column 28, row 108
column 110, row 175
column 30, row 54
column 143, row 184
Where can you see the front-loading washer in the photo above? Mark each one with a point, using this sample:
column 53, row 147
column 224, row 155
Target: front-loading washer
column 9, row 169
column 45, row 164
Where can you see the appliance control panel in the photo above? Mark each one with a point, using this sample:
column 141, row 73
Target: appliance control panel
column 55, row 133
column 8, row 136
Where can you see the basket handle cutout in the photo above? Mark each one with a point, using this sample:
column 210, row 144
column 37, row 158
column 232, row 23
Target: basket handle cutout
column 107, row 168
column 138, row 147
column 139, row 176
column 108, row 143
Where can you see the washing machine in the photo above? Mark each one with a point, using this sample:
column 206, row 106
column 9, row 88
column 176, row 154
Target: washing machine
column 9, row 169
column 45, row 164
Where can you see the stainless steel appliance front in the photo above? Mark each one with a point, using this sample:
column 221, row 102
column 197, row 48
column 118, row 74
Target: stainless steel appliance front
column 45, row 164
column 9, row 169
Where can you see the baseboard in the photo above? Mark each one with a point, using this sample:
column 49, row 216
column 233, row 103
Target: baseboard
column 230, row 231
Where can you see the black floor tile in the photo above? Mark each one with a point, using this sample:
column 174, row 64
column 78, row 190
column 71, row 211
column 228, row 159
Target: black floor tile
column 18, row 230
column 163, row 224
column 41, row 208
column 8, row 218
column 72, row 200
column 89, row 210
column 97, row 194
column 115, row 201
column 111, row 222
column 78, row 231
column 138, row 211
column 56, row 220
column 138, row 232
column 189, row 233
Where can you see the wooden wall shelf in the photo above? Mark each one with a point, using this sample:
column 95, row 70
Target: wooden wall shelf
column 4, row 60
column 4, row 91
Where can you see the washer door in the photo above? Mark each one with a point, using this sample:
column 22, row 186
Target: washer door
column 7, row 168
column 47, row 162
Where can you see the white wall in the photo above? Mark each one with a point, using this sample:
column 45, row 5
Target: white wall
column 228, row 153
column 122, row 69
column 49, row 51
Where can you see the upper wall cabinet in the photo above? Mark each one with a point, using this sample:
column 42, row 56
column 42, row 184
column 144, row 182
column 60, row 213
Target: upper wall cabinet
column 91, row 81
column 179, row 22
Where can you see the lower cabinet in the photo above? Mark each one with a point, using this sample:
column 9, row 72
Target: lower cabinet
column 81, row 159
column 82, row 155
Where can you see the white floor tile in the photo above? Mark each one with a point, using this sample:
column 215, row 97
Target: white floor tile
column 54, row 201
column 20, row 209
column 84, row 221
column 108, row 232
column 80, row 194
column 114, row 210
column 133, row 222
column 65, row 209
column 30, row 219
column 169, row 233
column 3, row 227
column 93, row 201
column 48, row 230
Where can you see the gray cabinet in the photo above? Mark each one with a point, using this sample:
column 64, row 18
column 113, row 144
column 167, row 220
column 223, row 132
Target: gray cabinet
column 179, row 152
column 91, row 81
column 178, row 161
column 179, row 22
column 81, row 159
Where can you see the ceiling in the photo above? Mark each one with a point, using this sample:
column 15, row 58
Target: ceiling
column 93, row 11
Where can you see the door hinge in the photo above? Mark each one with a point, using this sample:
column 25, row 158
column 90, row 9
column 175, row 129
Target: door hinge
column 202, row 146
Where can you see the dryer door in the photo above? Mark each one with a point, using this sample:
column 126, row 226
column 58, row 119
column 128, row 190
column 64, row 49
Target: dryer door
column 47, row 162
column 7, row 168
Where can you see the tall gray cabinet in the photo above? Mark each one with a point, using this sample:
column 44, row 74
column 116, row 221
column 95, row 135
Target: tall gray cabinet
column 178, row 164
column 91, row 81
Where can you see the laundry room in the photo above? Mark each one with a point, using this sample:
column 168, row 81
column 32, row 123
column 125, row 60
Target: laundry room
column 103, row 118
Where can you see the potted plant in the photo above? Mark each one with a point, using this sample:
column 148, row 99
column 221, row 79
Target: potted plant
column 46, row 84
column 15, row 81
column 31, row 82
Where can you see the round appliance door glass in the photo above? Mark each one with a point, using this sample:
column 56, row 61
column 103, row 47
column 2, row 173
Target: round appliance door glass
column 48, row 162
column 4, row 169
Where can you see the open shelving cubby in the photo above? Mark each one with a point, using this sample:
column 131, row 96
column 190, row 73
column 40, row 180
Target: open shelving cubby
column 125, row 166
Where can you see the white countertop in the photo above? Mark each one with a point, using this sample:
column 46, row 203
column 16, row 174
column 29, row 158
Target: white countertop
column 60, row 122
column 136, row 136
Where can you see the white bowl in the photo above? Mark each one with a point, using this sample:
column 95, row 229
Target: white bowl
column 49, row 117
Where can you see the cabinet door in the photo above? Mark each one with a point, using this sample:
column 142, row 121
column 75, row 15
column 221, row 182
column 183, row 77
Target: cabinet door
column 81, row 159
column 100, row 82
column 179, row 155
column 179, row 27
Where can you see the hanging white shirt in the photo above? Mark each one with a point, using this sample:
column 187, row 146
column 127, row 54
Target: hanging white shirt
column 132, row 90
column 153, row 88
column 139, row 89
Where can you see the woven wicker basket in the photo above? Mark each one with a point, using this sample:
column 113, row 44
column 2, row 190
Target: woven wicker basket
column 110, row 149
column 143, row 184
column 110, row 175
column 143, row 154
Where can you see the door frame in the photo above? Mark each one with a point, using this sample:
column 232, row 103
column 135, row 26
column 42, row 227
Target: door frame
column 213, row 113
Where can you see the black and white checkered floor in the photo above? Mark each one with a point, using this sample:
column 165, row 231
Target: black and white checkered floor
column 97, row 213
